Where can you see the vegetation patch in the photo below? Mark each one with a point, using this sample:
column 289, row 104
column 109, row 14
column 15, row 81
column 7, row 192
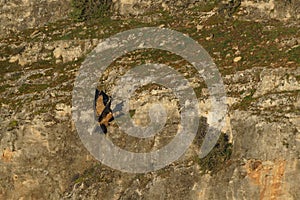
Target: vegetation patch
column 12, row 125
column 30, row 88
column 293, row 55
column 217, row 158
column 4, row 87
column 205, row 6
column 90, row 9
column 6, row 67
column 246, row 101
column 35, row 76
column 131, row 113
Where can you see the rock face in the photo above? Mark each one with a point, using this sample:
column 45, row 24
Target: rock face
column 282, row 10
column 263, row 173
column 16, row 15
column 275, row 9
column 137, row 7
column 257, row 155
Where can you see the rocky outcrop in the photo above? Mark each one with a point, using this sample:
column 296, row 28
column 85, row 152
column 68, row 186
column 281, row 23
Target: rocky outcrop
column 257, row 155
column 260, row 175
column 275, row 9
column 137, row 7
column 17, row 15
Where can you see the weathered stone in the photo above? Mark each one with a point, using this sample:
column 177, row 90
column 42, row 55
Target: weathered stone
column 42, row 156
column 237, row 59
column 278, row 80
column 18, row 15
column 281, row 10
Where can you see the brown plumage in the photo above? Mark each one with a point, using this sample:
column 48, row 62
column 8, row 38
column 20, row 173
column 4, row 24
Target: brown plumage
column 103, row 111
column 99, row 105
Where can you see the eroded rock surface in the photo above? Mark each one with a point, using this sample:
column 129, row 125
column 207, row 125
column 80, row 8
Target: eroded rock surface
column 256, row 157
column 17, row 15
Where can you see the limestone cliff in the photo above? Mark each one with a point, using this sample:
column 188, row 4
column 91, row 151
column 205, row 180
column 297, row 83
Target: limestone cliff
column 256, row 48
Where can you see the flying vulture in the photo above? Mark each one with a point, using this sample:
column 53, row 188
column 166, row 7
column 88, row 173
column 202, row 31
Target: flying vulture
column 102, row 109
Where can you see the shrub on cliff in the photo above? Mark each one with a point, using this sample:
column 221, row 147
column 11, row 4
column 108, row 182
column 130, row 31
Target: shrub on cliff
column 83, row 10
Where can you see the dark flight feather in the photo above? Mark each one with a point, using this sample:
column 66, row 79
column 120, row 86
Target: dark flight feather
column 103, row 112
